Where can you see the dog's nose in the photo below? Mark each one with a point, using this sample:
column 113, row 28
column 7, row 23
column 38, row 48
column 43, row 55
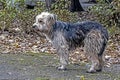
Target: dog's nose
column 34, row 26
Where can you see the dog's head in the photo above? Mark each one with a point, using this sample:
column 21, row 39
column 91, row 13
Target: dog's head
column 44, row 22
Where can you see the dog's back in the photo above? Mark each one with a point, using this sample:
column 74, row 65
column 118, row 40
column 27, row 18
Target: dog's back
column 77, row 32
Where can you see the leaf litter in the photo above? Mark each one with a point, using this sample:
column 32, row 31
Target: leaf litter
column 35, row 44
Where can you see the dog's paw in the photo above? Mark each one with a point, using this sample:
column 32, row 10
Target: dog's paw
column 61, row 67
column 91, row 71
column 98, row 70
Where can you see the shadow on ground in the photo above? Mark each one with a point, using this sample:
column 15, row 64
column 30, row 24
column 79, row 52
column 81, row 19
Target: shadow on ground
column 43, row 67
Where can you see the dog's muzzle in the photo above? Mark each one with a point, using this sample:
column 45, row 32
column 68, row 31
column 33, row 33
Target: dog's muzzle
column 34, row 26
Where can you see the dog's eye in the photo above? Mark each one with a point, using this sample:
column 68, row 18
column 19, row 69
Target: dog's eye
column 40, row 21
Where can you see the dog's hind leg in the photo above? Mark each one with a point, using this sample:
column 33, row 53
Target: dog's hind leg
column 101, row 63
column 100, row 57
column 94, row 61
column 93, row 44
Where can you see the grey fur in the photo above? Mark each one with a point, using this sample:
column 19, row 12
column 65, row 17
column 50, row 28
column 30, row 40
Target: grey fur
column 66, row 37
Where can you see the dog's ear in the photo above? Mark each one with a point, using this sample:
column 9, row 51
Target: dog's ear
column 52, row 18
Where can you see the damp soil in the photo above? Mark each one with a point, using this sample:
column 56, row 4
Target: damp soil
column 42, row 66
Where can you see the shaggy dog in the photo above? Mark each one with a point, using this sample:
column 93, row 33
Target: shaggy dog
column 66, row 37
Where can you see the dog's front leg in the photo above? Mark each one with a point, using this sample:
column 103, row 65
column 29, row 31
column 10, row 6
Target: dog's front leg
column 63, row 57
column 60, row 44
